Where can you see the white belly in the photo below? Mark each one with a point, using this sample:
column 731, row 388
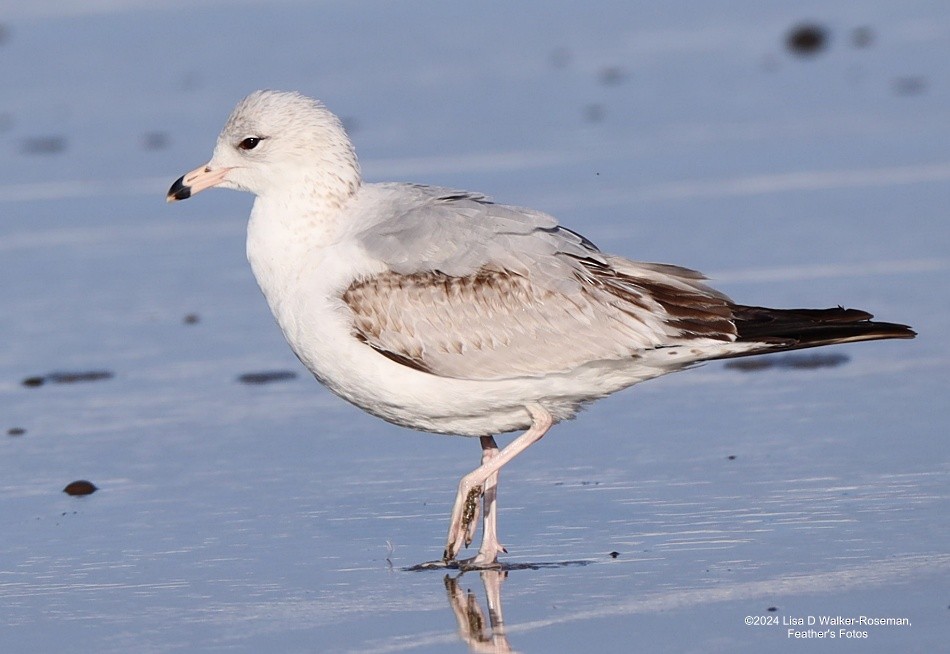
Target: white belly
column 302, row 282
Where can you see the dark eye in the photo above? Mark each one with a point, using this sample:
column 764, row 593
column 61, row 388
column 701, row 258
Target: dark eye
column 249, row 143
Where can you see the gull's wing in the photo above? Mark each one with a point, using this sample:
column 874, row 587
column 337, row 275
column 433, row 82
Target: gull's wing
column 428, row 228
column 477, row 290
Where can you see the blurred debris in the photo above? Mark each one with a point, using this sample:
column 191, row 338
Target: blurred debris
column 43, row 145
column 155, row 140
column 83, row 376
column 612, row 75
column 909, row 85
column 807, row 39
column 594, row 113
column 862, row 37
column 266, row 377
column 68, row 377
column 191, row 81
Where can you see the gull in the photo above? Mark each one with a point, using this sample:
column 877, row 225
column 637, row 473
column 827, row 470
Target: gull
column 442, row 311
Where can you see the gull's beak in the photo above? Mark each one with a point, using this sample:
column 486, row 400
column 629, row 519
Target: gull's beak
column 195, row 182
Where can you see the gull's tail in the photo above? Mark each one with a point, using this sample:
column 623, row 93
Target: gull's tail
column 793, row 329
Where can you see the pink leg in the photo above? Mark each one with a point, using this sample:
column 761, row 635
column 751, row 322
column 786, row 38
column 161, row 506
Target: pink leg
column 489, row 449
column 484, row 479
column 490, row 547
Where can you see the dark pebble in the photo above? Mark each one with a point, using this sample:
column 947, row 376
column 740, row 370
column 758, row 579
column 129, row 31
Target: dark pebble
column 43, row 145
column 614, row 554
column 191, row 319
column 16, row 431
column 266, row 377
column 807, row 39
column 80, row 487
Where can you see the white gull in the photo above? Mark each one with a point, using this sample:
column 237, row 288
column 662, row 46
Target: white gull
column 439, row 310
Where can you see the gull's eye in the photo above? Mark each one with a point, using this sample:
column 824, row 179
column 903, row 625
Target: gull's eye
column 249, row 143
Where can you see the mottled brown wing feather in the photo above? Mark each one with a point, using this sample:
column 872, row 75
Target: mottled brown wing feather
column 496, row 323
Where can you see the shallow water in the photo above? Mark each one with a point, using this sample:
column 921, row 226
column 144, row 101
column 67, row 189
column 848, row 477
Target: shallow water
column 235, row 516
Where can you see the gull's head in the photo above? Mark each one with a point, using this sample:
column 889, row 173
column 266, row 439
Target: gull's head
column 274, row 143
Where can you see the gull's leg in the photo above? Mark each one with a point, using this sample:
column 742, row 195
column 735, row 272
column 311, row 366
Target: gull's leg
column 490, row 547
column 473, row 484
column 489, row 449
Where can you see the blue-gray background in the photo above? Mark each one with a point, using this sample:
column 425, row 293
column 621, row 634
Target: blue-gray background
column 260, row 518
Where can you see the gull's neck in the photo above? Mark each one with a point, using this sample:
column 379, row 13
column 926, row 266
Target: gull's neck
column 293, row 224
column 309, row 199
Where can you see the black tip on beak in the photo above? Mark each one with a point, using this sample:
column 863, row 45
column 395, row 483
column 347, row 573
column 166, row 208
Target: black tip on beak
column 178, row 191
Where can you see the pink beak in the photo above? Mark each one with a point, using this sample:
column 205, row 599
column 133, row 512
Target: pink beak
column 195, row 182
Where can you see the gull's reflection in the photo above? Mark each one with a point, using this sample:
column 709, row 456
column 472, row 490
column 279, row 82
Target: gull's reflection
column 482, row 636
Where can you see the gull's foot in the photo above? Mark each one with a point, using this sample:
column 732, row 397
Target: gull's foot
column 441, row 564
column 478, row 562
column 487, row 557
column 464, row 565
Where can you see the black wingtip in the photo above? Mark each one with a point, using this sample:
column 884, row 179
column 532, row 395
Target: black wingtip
column 178, row 190
column 802, row 328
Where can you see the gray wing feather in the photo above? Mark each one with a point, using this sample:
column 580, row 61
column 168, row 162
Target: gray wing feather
column 478, row 290
column 457, row 233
